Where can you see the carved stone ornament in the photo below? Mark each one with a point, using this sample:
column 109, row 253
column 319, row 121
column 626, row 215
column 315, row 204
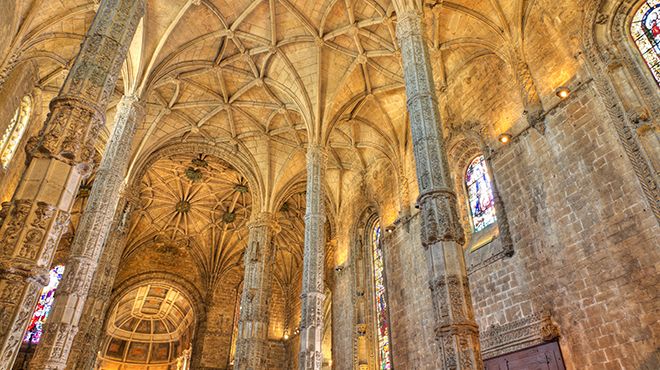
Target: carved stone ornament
column 516, row 335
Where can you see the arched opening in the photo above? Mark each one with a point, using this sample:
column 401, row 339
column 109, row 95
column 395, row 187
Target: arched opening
column 381, row 308
column 14, row 132
column 151, row 328
column 481, row 200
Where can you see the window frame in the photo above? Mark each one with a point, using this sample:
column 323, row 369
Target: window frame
column 373, row 224
column 490, row 232
column 20, row 120
column 638, row 51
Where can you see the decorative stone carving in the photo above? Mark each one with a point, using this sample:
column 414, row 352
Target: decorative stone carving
column 252, row 342
column 442, row 233
column 313, row 297
column 89, row 240
column 59, row 157
column 530, row 96
column 597, row 61
column 86, row 343
column 516, row 335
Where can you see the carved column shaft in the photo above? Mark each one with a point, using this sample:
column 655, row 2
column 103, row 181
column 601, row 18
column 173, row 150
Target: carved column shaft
column 89, row 240
column 87, row 342
column 313, row 297
column 442, row 234
column 252, row 342
column 60, row 156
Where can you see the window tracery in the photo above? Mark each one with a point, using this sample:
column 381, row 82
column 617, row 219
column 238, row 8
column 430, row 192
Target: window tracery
column 14, row 132
column 380, row 299
column 480, row 194
column 44, row 305
column 645, row 30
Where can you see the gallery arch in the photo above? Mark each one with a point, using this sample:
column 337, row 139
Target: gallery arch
column 151, row 327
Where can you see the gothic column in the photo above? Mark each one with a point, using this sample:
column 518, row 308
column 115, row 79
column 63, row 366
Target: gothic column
column 313, row 297
column 62, row 325
column 442, row 234
column 87, row 341
column 252, row 342
column 31, row 225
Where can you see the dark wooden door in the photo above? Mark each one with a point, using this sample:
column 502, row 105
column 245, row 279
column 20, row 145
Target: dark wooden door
column 543, row 357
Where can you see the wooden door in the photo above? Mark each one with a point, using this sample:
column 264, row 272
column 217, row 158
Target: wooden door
column 543, row 357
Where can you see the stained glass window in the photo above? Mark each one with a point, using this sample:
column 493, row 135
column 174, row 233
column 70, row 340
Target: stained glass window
column 382, row 322
column 12, row 136
column 36, row 327
column 480, row 194
column 645, row 30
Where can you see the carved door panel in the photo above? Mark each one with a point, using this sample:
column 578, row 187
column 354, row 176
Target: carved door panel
column 543, row 357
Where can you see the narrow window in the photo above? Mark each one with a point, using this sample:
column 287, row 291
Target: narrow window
column 36, row 327
column 645, row 30
column 14, row 133
column 380, row 299
column 480, row 194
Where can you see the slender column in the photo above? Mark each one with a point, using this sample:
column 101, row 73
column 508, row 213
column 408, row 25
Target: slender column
column 62, row 325
column 313, row 297
column 88, row 339
column 442, row 234
column 60, row 155
column 252, row 342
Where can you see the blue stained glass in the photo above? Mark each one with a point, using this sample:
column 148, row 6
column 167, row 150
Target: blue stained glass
column 480, row 194
column 35, row 329
column 382, row 322
column 645, row 30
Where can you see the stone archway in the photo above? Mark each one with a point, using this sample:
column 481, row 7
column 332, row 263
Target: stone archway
column 149, row 327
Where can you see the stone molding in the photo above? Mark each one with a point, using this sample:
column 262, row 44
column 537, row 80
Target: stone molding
column 598, row 61
column 529, row 331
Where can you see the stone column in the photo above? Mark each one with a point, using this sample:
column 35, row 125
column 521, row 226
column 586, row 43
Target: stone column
column 313, row 297
column 87, row 341
column 252, row 339
column 62, row 324
column 442, row 234
column 31, row 225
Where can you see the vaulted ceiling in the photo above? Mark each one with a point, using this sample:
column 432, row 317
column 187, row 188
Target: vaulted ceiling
column 268, row 76
column 263, row 78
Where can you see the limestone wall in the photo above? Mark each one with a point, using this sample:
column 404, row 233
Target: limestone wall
column 585, row 246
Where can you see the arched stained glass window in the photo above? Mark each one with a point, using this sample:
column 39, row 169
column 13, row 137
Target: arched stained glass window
column 14, row 132
column 645, row 30
column 36, row 327
column 480, row 194
column 382, row 317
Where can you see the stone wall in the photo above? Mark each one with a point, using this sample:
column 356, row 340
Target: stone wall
column 409, row 297
column 585, row 246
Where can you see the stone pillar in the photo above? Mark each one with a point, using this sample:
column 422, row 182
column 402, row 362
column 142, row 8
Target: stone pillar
column 252, row 340
column 31, row 225
column 313, row 297
column 87, row 342
column 442, row 234
column 62, row 324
